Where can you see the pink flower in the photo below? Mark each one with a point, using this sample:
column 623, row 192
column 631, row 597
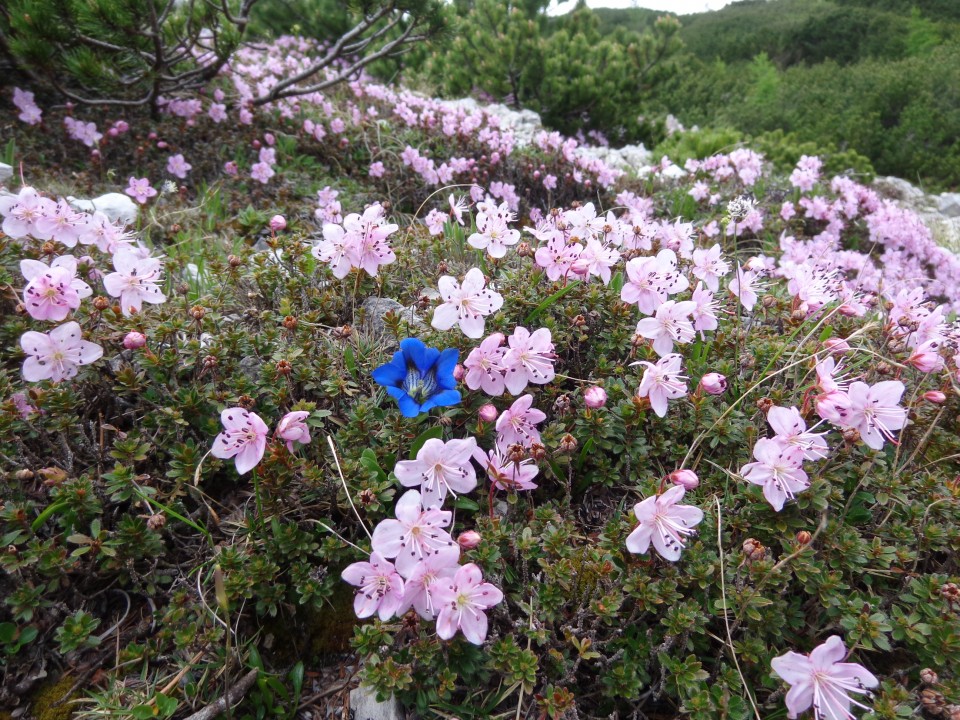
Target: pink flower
column 372, row 244
column 558, row 256
column 651, row 280
column 292, row 428
column 415, row 534
column 135, row 280
column 745, row 287
column 435, row 221
column 60, row 223
column 662, row 382
column 778, row 469
column 381, row 588
column 822, row 680
column 665, row 523
column 439, row 468
column 420, row 589
column 709, row 266
column 244, row 438
column 463, row 603
column 704, row 311
column 492, row 234
column 230, row 168
column 487, row 413
column 505, row 474
column 140, row 190
column 376, row 169
column 484, row 368
column 262, row 172
column 687, row 479
column 671, row 324
column 277, row 223
column 339, row 249
column 465, row 305
column 516, row 424
column 714, row 384
column 52, row 292
column 23, row 212
column 56, row 355
column 178, row 166
column 529, row 359
column 99, row 231
column 875, row 412
column 469, row 540
column 595, row 397
column 134, row 340
column 934, row 396
column 792, row 432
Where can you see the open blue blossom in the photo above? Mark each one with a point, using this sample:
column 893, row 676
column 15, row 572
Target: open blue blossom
column 420, row 377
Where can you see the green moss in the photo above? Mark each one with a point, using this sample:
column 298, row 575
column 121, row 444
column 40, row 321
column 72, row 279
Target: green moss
column 51, row 701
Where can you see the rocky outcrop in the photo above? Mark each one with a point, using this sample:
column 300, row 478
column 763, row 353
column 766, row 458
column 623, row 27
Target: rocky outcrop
column 940, row 213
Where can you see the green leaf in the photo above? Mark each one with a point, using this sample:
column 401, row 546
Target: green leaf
column 550, row 301
column 296, row 678
column 368, row 459
column 616, row 282
column 143, row 712
column 166, row 705
column 432, row 433
column 464, row 503
column 350, row 361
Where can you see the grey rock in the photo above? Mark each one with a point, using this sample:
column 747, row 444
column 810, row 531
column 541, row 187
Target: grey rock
column 6, row 172
column 251, row 366
column 116, row 206
column 629, row 158
column 899, row 189
column 364, row 704
column 949, row 204
column 374, row 310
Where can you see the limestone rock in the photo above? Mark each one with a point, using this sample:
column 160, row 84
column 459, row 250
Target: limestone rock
column 6, row 172
column 374, row 310
column 364, row 705
column 949, row 205
column 116, row 206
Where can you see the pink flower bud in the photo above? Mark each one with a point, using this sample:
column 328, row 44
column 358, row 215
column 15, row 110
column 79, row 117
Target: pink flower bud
column 278, row 223
column 713, row 384
column 488, row 413
column 934, row 396
column 269, row 139
column 459, row 372
column 113, row 132
column 230, row 168
column 152, row 136
column 469, row 540
column 161, row 144
column 134, row 340
column 257, row 144
column 836, row 345
column 687, row 479
column 595, row 397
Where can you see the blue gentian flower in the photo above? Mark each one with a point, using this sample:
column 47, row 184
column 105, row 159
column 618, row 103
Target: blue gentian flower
column 420, row 377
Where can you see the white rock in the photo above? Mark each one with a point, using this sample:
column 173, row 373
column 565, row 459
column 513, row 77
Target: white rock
column 115, row 206
column 6, row 172
column 949, row 204
column 363, row 703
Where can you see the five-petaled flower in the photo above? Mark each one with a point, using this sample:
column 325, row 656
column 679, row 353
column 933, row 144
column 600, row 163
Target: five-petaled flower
column 440, row 468
column 244, row 438
column 52, row 291
column 875, row 411
column 778, row 469
column 135, row 280
column 462, row 604
column 662, row 382
column 56, row 355
column 140, row 190
column 419, row 377
column 415, row 534
column 466, row 304
column 292, row 428
column 381, row 588
column 822, row 680
column 665, row 523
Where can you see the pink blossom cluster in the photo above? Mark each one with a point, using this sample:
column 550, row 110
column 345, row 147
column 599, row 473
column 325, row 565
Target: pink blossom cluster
column 328, row 207
column 494, row 233
column 244, row 436
column 578, row 244
column 85, row 132
column 361, row 242
column 426, row 574
column 527, row 358
column 24, row 101
column 53, row 290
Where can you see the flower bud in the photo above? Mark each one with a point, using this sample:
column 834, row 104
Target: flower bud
column 134, row 340
column 764, row 404
column 836, row 345
column 101, row 303
column 487, row 413
column 290, row 322
column 568, row 443
column 934, row 396
column 713, row 383
column 929, row 676
column 278, row 223
column 538, row 451
column 156, row 522
column 469, row 540
column 687, row 479
column 595, row 397
column 234, row 261
column 459, row 372
column 804, row 537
